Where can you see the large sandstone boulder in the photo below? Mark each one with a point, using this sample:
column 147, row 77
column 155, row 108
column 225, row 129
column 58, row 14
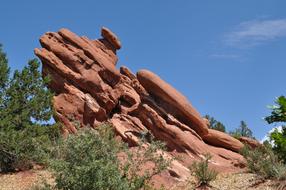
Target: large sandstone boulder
column 172, row 101
column 250, row 142
column 220, row 139
column 90, row 90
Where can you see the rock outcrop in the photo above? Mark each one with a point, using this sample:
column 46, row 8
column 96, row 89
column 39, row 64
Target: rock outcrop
column 252, row 143
column 90, row 90
column 221, row 139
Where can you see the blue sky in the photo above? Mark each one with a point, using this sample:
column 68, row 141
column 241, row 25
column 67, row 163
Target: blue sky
column 227, row 57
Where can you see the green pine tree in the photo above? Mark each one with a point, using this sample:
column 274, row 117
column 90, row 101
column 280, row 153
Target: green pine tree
column 4, row 75
column 242, row 130
column 27, row 100
column 214, row 124
column 25, row 103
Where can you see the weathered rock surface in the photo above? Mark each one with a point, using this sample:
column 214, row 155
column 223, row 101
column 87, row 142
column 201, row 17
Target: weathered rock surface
column 220, row 139
column 89, row 90
column 172, row 101
column 250, row 142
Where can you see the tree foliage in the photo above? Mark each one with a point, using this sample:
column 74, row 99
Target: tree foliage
column 4, row 75
column 4, row 69
column 278, row 138
column 26, row 100
column 278, row 113
column 242, row 131
column 25, row 103
column 214, row 124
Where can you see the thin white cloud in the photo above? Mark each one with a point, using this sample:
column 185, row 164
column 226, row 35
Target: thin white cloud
column 255, row 32
column 225, row 56
column 266, row 137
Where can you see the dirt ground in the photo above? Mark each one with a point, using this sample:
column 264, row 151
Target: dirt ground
column 240, row 181
column 24, row 180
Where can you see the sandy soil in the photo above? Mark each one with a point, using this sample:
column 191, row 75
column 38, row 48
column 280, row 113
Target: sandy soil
column 239, row 181
column 235, row 181
column 24, row 180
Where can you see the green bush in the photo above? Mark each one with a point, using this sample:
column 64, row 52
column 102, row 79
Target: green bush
column 202, row 172
column 19, row 150
column 89, row 160
column 264, row 162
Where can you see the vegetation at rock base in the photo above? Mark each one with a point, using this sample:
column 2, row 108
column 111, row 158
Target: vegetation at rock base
column 19, row 150
column 263, row 161
column 89, row 160
column 202, row 172
column 269, row 160
column 214, row 124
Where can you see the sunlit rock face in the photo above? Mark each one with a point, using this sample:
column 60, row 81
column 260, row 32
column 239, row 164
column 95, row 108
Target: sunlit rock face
column 90, row 90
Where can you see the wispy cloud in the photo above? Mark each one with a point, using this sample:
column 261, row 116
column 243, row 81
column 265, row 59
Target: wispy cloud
column 255, row 32
column 225, row 56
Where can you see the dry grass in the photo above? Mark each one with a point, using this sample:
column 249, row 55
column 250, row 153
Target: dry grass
column 238, row 181
column 23, row 180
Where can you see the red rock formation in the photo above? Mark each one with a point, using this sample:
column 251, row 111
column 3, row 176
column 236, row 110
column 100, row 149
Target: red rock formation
column 250, row 142
column 172, row 101
column 90, row 90
column 221, row 139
